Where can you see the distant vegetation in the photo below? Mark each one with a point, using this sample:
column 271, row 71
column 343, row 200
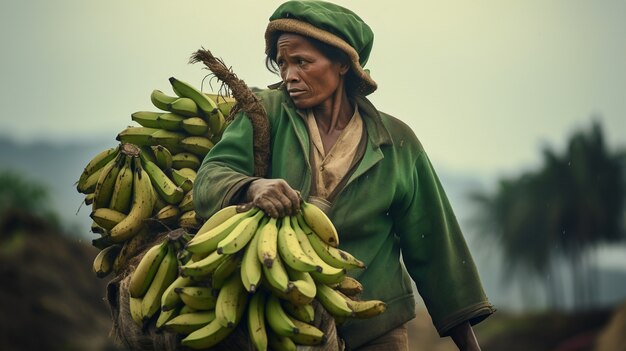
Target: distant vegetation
column 559, row 212
column 19, row 194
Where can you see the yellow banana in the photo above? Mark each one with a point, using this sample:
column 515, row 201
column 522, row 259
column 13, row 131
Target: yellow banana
column 251, row 270
column 103, row 262
column 147, row 268
column 334, row 256
column 231, row 302
column 276, row 277
column 328, row 274
column 165, row 275
column 140, row 209
column 131, row 248
column 280, row 343
column 239, row 237
column 168, row 215
column 200, row 298
column 349, row 286
column 217, row 218
column 164, row 317
column 197, row 145
column 189, row 322
column 170, row 298
column 304, row 288
column 186, row 204
column 186, row 309
column 161, row 100
column 206, row 241
column 267, row 250
column 88, row 199
column 202, row 267
column 224, row 270
column 304, row 313
column 291, row 250
column 121, row 197
column 147, row 119
column 195, row 126
column 184, row 107
column 320, row 224
column 186, row 160
column 95, row 164
column 107, row 218
column 307, row 334
column 189, row 220
column 366, row 308
column 256, row 321
column 134, row 305
column 333, row 301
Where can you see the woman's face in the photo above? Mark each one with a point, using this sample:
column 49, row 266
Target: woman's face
column 310, row 77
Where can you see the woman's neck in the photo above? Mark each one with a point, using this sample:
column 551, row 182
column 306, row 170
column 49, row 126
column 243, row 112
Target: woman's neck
column 334, row 113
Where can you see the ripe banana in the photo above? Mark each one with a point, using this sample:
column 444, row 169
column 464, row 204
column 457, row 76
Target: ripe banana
column 217, row 218
column 197, row 145
column 239, row 237
column 205, row 242
column 304, row 288
column 366, row 308
column 251, row 270
column 190, row 221
column 349, row 286
column 188, row 172
column 320, row 224
column 256, row 321
column 186, row 309
column 106, row 183
column 200, row 298
column 186, row 204
column 207, row 336
column 88, row 199
column 184, row 107
column 290, row 250
column 168, row 215
column 121, row 197
column 95, row 164
column 280, row 343
column 333, row 302
column 134, row 306
column 147, row 119
column 165, row 275
column 277, row 318
column 304, row 313
column 202, row 267
column 140, row 210
column 147, row 268
column 170, row 299
column 268, row 243
column 162, row 156
column 107, row 218
column 195, row 126
column 334, row 256
column 161, row 100
column 164, row 317
column 231, row 302
column 276, row 277
column 186, row 160
column 328, row 273
column 170, row 121
column 140, row 136
column 163, row 185
column 103, row 262
column 189, row 322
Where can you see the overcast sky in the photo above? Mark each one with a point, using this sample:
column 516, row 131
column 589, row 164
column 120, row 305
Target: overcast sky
column 484, row 84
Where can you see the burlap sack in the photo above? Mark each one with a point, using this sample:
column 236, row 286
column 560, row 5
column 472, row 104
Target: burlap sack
column 131, row 336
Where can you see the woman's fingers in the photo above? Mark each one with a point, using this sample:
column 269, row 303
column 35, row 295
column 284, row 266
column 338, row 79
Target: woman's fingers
column 275, row 197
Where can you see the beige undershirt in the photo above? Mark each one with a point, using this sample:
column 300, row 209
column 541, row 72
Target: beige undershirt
column 334, row 165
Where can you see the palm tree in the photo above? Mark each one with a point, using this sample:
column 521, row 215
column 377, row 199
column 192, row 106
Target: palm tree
column 569, row 206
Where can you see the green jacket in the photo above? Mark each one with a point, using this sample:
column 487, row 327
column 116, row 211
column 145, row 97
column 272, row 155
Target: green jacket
column 393, row 202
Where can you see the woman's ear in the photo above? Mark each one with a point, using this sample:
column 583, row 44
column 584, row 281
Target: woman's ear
column 344, row 68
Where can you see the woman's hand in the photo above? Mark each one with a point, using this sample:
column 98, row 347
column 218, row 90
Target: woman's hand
column 464, row 338
column 274, row 197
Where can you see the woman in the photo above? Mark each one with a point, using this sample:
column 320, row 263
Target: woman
column 366, row 169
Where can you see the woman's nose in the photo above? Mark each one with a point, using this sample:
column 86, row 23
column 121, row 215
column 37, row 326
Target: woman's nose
column 290, row 75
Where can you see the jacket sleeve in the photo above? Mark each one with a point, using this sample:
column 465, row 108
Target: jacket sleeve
column 226, row 169
column 436, row 255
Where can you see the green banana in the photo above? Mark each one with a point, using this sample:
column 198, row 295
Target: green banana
column 224, row 270
column 208, row 106
column 169, row 139
column 163, row 185
column 231, row 302
column 134, row 306
column 141, row 208
column 186, row 160
column 320, row 224
column 184, row 107
column 200, row 298
column 188, row 172
column 170, row 121
column 197, row 145
column 251, row 270
column 276, row 276
column 334, row 256
column 239, row 237
column 165, row 275
column 168, row 215
column 189, row 322
column 89, row 185
column 121, row 197
column 106, row 183
column 366, row 308
column 279, row 342
column 162, row 156
column 161, row 100
column 103, row 262
column 186, row 204
column 195, row 126
column 89, row 199
column 326, row 270
column 207, row 241
column 189, row 220
column 277, row 318
column 207, row 336
column 202, row 267
column 107, row 218
column 307, row 334
column 224, row 103
column 140, row 136
column 349, row 286
column 256, row 321
column 333, row 301
column 170, row 299
column 147, row 268
column 304, row 313
column 102, row 242
column 186, row 309
column 268, row 243
column 96, row 163
column 147, row 119
column 304, row 288
column 164, row 317
column 180, row 180
column 291, row 250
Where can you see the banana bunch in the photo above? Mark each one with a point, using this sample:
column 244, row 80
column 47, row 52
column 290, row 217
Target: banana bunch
column 188, row 125
column 265, row 272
